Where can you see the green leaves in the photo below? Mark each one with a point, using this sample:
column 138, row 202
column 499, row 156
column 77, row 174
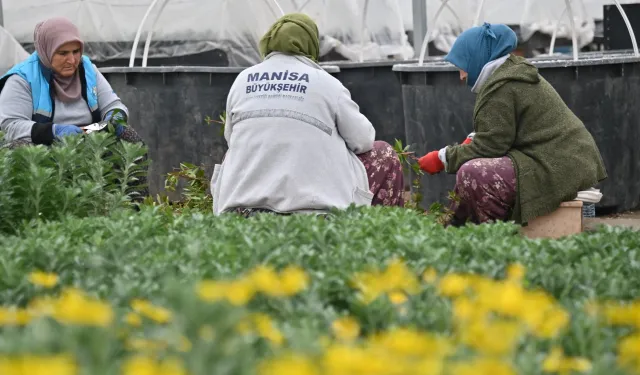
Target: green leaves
column 80, row 176
column 160, row 257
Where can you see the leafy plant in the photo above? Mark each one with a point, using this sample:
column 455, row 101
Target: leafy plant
column 222, row 120
column 409, row 163
column 195, row 195
column 82, row 176
column 183, row 288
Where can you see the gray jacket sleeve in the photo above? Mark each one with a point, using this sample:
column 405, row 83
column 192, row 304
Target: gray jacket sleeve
column 16, row 107
column 353, row 126
column 107, row 98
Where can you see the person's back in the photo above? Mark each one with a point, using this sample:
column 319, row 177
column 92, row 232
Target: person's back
column 283, row 112
column 297, row 141
column 553, row 150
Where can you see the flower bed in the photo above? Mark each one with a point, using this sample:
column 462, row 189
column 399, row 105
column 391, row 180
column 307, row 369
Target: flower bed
column 368, row 291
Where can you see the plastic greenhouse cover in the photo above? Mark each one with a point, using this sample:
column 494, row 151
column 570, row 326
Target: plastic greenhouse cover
column 12, row 51
column 235, row 26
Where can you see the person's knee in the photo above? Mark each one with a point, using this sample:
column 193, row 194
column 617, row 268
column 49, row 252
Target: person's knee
column 468, row 171
column 382, row 146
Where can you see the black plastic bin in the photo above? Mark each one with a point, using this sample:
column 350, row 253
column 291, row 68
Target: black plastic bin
column 601, row 88
column 375, row 87
column 168, row 107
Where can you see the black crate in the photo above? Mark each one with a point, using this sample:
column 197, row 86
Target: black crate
column 616, row 34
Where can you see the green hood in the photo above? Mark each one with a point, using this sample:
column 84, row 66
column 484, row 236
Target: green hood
column 293, row 34
column 516, row 68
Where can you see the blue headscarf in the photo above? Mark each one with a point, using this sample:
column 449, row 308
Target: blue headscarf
column 477, row 46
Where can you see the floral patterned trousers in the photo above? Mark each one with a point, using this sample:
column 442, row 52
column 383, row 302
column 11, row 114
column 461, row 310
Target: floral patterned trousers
column 486, row 189
column 386, row 180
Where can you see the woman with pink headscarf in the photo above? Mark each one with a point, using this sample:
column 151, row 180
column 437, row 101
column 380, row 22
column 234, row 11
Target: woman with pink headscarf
column 56, row 91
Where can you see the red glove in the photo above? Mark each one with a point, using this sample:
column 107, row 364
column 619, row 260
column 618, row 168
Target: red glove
column 431, row 163
column 469, row 138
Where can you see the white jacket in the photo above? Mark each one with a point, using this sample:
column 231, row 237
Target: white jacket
column 293, row 133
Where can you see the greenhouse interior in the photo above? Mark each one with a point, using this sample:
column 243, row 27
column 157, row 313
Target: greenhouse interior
column 226, row 32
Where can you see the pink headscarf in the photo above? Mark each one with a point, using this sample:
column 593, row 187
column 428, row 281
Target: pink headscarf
column 50, row 35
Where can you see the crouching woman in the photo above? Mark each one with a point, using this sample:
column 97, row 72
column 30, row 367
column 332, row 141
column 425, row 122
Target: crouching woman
column 529, row 152
column 297, row 141
column 56, row 91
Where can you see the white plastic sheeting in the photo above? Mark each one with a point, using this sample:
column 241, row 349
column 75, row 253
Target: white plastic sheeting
column 11, row 52
column 195, row 26
column 235, row 26
column 531, row 15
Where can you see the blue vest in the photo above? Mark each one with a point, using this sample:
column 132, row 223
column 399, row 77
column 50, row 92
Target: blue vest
column 42, row 93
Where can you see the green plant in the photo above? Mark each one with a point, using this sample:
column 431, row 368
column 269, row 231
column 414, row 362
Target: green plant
column 409, row 163
column 83, row 176
column 127, row 257
column 222, row 120
column 195, row 195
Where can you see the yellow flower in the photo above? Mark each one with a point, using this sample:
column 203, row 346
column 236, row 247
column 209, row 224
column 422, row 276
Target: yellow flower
column 453, row 285
column 42, row 306
column 556, row 362
column 465, row 310
column 292, row 364
column 430, row 275
column 482, row 366
column 428, row 366
column 39, row 365
column 139, row 365
column 73, row 307
column 398, row 297
column 211, row 290
column 399, row 276
column 265, row 327
column 207, row 333
column 157, row 314
column 133, row 319
column 43, row 279
column 629, row 353
column 14, row 316
column 346, row 328
column 491, row 338
column 262, row 325
column 369, row 285
column 238, row 292
column 410, row 343
column 516, row 272
column 347, row 359
column 293, row 280
column 554, row 321
column 622, row 315
column 266, row 280
column 505, row 298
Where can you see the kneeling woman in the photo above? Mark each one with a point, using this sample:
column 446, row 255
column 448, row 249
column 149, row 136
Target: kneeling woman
column 56, row 91
column 529, row 152
column 297, row 141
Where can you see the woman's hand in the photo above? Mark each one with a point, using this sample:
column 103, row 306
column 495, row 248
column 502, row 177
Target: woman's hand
column 60, row 131
column 469, row 139
column 431, row 163
column 116, row 118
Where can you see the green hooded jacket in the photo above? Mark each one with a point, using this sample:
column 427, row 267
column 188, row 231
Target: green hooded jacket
column 519, row 114
column 293, row 34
